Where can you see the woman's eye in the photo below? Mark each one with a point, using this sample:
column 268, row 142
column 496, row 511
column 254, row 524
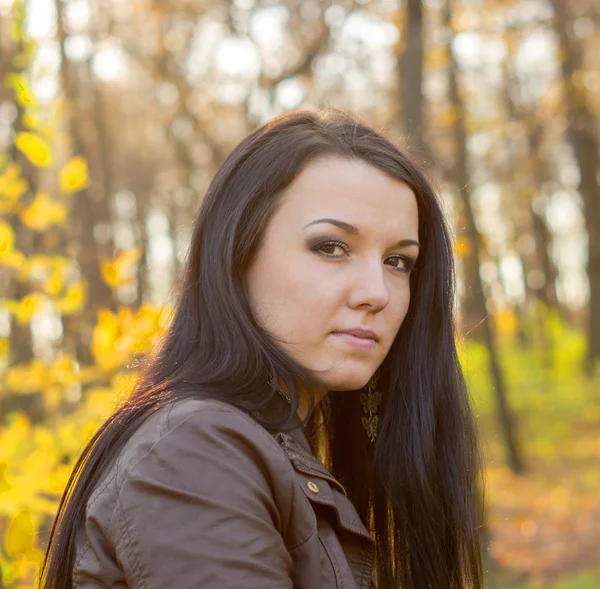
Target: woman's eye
column 332, row 246
column 404, row 264
column 401, row 263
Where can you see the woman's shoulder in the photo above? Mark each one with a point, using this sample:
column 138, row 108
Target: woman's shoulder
column 185, row 428
column 196, row 421
column 188, row 455
column 183, row 441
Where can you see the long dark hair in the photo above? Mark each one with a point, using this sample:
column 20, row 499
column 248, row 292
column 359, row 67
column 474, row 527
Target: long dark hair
column 418, row 488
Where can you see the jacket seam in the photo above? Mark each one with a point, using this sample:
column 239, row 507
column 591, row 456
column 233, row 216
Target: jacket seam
column 289, row 518
column 368, row 565
column 364, row 569
column 76, row 570
column 130, row 550
column 98, row 494
column 333, row 561
column 308, row 537
column 101, row 490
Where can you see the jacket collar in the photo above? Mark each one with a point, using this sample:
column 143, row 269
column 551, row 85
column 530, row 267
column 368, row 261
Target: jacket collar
column 297, row 447
column 299, row 436
column 309, row 468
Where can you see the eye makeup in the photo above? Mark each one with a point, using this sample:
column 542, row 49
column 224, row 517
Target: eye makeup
column 316, row 244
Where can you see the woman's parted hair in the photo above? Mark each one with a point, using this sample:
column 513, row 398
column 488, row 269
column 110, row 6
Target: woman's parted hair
column 417, row 489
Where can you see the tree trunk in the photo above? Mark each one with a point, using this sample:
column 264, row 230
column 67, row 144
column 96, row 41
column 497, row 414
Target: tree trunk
column 89, row 209
column 410, row 67
column 581, row 134
column 461, row 178
column 541, row 232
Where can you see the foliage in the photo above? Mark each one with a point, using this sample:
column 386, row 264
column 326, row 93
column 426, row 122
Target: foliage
column 544, row 523
column 36, row 459
column 581, row 581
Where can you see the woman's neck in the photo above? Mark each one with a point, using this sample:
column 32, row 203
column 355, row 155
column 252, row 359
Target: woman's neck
column 303, row 399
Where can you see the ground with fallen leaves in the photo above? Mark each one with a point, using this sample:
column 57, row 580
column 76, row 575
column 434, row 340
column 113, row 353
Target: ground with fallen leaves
column 545, row 523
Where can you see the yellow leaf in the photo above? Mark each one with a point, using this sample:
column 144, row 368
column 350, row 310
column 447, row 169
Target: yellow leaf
column 10, row 173
column 21, row 424
column 12, row 187
column 4, row 484
column 63, row 370
column 35, row 148
column 18, row 261
column 107, row 346
column 106, row 330
column 462, row 247
column 27, row 378
column 73, row 300
column 101, row 400
column 31, row 121
column 28, row 306
column 11, row 305
column 120, row 270
column 59, row 478
column 18, row 539
column 23, row 95
column 20, row 85
column 52, row 396
column 54, row 283
column 124, row 382
column 110, row 273
column 36, row 558
column 149, row 324
column 43, row 212
column 7, row 239
column 506, row 322
column 74, row 176
column 15, row 190
column 129, row 256
column 125, row 319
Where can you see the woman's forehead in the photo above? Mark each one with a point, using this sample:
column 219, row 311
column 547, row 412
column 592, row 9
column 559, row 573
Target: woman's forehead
column 351, row 191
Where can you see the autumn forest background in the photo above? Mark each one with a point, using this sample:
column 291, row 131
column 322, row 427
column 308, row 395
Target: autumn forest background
column 114, row 116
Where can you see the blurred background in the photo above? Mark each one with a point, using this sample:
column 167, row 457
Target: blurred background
column 114, row 116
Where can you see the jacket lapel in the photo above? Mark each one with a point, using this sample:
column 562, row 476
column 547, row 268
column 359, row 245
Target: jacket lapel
column 299, row 453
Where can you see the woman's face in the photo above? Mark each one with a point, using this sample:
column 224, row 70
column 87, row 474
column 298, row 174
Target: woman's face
column 303, row 289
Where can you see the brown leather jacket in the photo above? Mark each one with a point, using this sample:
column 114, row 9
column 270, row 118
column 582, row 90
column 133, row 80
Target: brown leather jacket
column 203, row 497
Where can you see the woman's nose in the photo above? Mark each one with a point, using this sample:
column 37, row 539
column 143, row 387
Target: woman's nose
column 370, row 286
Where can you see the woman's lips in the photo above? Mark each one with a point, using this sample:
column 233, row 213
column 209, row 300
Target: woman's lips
column 356, row 342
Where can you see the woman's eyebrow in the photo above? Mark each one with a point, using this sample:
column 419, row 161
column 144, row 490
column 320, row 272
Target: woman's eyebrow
column 352, row 230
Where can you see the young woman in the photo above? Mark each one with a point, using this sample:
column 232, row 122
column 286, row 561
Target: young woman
column 305, row 423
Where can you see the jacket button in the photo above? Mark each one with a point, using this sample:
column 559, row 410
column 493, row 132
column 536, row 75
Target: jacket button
column 312, row 487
